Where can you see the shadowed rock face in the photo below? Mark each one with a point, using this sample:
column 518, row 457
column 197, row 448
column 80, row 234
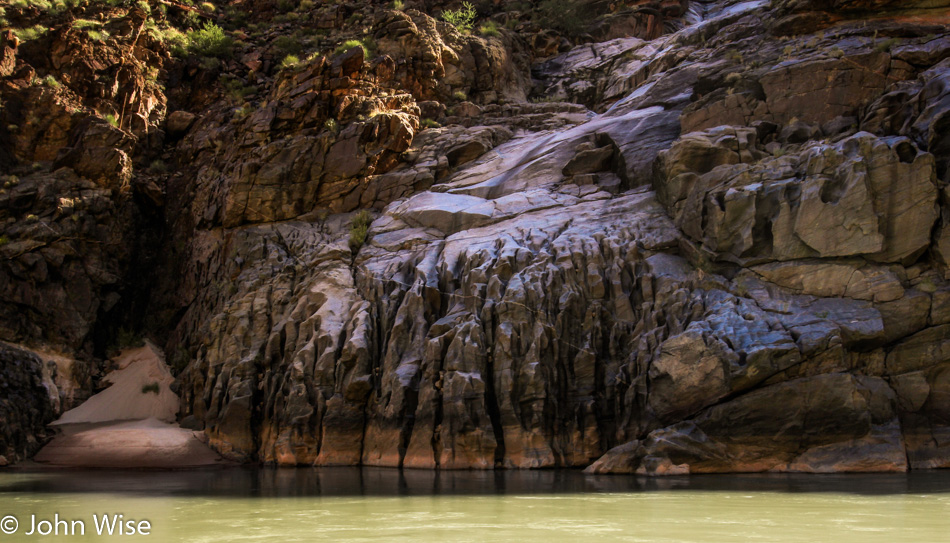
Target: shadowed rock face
column 728, row 252
column 26, row 406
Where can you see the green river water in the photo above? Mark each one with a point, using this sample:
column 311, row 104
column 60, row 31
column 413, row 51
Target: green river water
column 286, row 505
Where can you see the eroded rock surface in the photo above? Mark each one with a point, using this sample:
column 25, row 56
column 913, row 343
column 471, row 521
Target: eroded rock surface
column 706, row 236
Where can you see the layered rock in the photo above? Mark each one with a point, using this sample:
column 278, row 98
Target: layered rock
column 650, row 279
column 729, row 254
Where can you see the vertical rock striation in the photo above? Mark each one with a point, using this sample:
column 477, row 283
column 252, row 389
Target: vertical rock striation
column 714, row 239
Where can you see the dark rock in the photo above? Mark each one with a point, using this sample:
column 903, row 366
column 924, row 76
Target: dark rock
column 25, row 405
column 178, row 122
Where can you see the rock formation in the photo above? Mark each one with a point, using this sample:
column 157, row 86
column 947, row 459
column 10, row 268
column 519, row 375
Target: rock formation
column 686, row 237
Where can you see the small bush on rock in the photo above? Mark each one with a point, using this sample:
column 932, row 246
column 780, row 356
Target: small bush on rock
column 359, row 229
column 349, row 44
column 210, row 41
column 462, row 18
column 489, row 29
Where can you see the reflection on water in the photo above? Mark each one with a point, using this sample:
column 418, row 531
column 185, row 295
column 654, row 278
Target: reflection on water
column 349, row 504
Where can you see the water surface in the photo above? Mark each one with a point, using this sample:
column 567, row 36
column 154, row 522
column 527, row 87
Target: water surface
column 349, row 505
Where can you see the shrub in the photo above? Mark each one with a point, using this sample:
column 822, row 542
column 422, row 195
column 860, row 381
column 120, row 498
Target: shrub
column 207, row 6
column 151, row 387
column 210, row 41
column 886, row 45
column 51, row 82
column 331, row 125
column 359, row 229
column 398, row 5
column 290, row 61
column 462, row 18
column 288, row 45
column 489, row 29
column 243, row 111
column 349, row 44
column 97, row 35
column 460, row 96
column 429, row 123
column 86, row 23
column 27, row 34
column 176, row 40
column 237, row 90
column 209, row 63
column 111, row 119
column 4, row 240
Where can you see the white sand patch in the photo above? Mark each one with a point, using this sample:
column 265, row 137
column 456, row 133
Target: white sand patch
column 126, row 427
column 147, row 443
column 124, row 399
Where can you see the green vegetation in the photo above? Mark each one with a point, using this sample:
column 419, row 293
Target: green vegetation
column 151, row 387
column 350, row 44
column 209, row 63
column 288, row 45
column 462, row 18
column 51, row 7
column 111, row 119
column 243, row 111
column 489, row 29
column 886, row 45
column 429, row 123
column 207, row 6
column 4, row 240
column 236, row 90
column 331, row 125
column 176, row 40
column 460, row 96
column 31, row 33
column 83, row 24
column 289, row 62
column 50, row 81
column 97, row 35
column 398, row 5
column 210, row 41
column 359, row 229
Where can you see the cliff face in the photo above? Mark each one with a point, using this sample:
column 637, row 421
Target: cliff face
column 691, row 237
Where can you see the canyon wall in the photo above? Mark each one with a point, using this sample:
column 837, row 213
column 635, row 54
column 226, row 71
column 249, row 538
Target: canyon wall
column 698, row 237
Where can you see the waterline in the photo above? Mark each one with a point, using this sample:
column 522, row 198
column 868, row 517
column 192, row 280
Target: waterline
column 554, row 506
